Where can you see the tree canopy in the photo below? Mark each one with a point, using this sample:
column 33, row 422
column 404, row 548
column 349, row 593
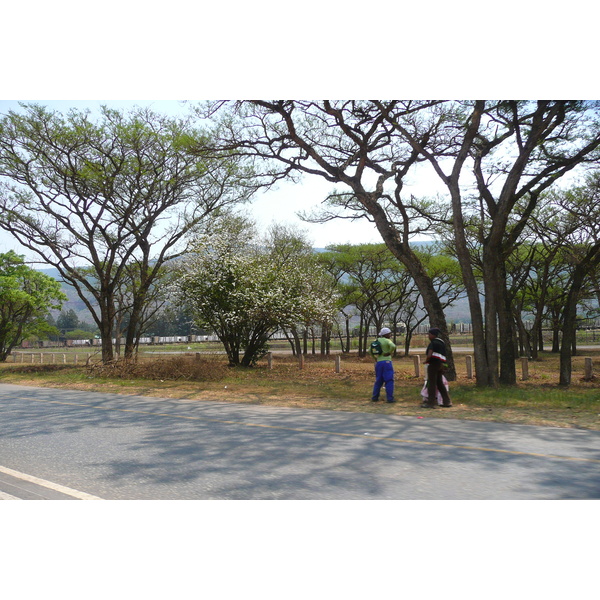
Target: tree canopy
column 26, row 296
column 108, row 201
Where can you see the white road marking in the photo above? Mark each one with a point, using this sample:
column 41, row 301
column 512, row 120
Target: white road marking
column 48, row 484
column 4, row 496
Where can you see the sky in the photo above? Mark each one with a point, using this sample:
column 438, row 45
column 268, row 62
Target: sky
column 278, row 206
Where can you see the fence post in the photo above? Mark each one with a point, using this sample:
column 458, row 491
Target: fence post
column 469, row 360
column 301, row 361
column 41, row 358
column 525, row 368
column 338, row 363
column 417, row 363
column 269, row 360
column 64, row 359
column 53, row 357
column 588, row 374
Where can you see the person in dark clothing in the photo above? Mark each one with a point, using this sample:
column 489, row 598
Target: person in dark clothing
column 435, row 361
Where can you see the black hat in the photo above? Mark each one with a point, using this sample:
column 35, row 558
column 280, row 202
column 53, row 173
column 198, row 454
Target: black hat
column 435, row 331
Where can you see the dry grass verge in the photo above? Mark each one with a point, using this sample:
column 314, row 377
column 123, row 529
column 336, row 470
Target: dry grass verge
column 176, row 368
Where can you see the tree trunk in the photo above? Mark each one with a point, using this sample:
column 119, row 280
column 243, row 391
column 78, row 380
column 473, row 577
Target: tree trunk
column 131, row 336
column 568, row 344
column 290, row 342
column 107, row 316
column 508, row 346
column 348, row 341
column 325, row 340
column 484, row 373
column 536, row 339
column 555, row 340
column 407, row 341
column 232, row 350
column 361, row 335
column 297, row 347
column 491, row 330
column 568, row 335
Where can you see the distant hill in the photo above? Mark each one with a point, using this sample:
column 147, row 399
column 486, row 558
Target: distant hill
column 74, row 303
column 50, row 272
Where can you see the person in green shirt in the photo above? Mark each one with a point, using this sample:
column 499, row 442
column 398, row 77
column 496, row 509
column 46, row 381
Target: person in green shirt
column 384, row 370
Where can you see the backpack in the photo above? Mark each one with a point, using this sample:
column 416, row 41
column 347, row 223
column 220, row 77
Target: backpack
column 376, row 347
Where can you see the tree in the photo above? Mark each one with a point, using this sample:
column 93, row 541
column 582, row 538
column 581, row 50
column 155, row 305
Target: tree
column 289, row 248
column 444, row 271
column 540, row 270
column 144, row 319
column 110, row 200
column 330, row 262
column 67, row 320
column 541, row 286
column 382, row 291
column 494, row 157
column 579, row 209
column 26, row 296
column 350, row 143
column 515, row 151
column 230, row 284
column 528, row 269
column 565, row 241
column 371, row 281
column 173, row 319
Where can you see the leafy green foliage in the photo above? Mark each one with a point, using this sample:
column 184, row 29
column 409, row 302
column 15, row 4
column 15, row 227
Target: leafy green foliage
column 67, row 320
column 26, row 296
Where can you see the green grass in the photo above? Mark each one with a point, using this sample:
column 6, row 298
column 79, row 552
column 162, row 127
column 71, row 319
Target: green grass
column 549, row 397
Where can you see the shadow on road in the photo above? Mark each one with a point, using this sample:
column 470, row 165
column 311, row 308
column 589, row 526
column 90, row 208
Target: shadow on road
column 153, row 448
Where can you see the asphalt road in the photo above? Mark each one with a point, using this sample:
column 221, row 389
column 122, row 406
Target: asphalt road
column 62, row 444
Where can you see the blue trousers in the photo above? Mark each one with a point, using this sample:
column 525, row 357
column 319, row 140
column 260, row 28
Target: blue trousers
column 384, row 375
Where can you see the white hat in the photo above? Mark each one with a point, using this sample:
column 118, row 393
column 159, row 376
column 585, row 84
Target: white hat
column 385, row 331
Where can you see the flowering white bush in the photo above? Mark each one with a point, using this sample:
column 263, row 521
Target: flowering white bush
column 245, row 294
